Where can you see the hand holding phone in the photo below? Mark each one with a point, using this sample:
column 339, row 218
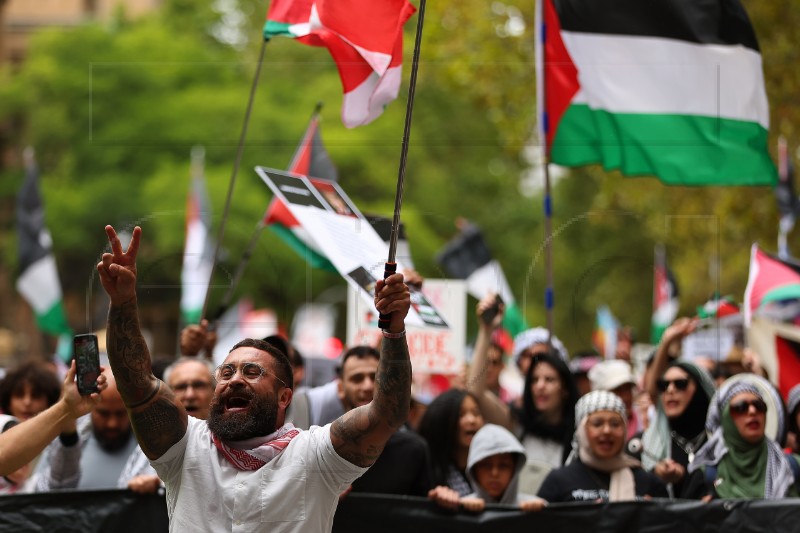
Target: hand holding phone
column 87, row 362
column 487, row 316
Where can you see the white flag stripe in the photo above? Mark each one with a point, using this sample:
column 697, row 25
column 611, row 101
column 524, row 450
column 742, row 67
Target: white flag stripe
column 664, row 76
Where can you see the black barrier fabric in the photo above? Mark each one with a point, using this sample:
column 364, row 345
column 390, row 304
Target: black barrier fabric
column 122, row 511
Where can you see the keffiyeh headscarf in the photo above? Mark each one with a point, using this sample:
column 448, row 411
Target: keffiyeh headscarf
column 744, row 470
column 623, row 486
column 534, row 336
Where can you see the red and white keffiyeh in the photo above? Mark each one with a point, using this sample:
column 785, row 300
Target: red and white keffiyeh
column 252, row 454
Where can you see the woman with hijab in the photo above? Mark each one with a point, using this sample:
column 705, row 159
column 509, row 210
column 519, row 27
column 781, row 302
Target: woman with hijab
column 600, row 469
column 740, row 460
column 681, row 392
column 449, row 425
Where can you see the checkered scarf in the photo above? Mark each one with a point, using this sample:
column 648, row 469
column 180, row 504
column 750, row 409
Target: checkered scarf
column 252, row 454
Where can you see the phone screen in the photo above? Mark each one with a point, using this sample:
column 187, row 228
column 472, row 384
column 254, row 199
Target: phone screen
column 87, row 360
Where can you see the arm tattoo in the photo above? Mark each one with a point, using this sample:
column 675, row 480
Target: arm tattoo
column 360, row 435
column 158, row 426
column 156, row 416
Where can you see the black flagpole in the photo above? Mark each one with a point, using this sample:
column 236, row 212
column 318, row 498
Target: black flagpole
column 391, row 265
column 234, row 172
column 251, row 245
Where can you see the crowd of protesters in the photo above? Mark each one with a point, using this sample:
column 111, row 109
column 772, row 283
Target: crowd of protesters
column 580, row 430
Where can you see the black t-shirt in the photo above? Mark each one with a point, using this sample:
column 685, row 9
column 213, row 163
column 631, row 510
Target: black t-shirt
column 403, row 468
column 577, row 482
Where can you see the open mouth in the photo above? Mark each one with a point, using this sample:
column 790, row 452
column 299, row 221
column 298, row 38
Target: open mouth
column 236, row 403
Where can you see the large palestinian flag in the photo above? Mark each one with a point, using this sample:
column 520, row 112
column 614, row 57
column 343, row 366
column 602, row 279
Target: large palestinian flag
column 198, row 252
column 365, row 39
column 778, row 346
column 38, row 279
column 670, row 88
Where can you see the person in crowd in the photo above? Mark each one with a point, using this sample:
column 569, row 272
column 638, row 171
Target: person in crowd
column 533, row 342
column 580, row 365
column 494, row 462
column 24, row 441
column 793, row 415
column 449, row 424
column 616, row 375
column 192, row 381
column 740, row 460
column 233, row 470
column 600, row 470
column 681, row 394
column 404, row 467
column 544, row 422
column 15, row 481
column 29, row 389
column 98, row 451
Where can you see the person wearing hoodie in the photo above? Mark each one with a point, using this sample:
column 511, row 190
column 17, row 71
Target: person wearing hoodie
column 494, row 462
column 602, row 471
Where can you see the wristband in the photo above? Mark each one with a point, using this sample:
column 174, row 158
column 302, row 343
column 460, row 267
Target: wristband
column 68, row 439
column 390, row 335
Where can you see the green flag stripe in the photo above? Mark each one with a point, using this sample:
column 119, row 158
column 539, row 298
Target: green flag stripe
column 272, row 29
column 513, row 321
column 54, row 320
column 679, row 149
column 314, row 259
column 789, row 292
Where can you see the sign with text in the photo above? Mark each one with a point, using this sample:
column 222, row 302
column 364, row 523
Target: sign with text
column 713, row 343
column 432, row 350
column 344, row 236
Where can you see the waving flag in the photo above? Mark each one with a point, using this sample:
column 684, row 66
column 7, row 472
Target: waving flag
column 770, row 280
column 467, row 257
column 665, row 297
column 198, row 253
column 38, row 281
column 365, row 39
column 670, row 88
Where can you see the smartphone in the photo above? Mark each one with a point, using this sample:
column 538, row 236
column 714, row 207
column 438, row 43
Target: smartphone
column 87, row 362
column 488, row 315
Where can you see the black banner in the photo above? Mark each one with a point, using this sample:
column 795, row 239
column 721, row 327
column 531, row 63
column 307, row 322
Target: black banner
column 122, row 511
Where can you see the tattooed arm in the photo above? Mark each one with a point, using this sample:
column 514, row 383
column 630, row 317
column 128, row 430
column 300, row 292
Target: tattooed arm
column 158, row 418
column 360, row 434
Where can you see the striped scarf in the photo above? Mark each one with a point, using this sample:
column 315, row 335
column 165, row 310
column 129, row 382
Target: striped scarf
column 250, row 455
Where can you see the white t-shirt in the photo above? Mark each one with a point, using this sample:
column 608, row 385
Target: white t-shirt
column 296, row 492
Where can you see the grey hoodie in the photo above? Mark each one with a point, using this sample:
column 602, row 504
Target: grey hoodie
column 494, row 440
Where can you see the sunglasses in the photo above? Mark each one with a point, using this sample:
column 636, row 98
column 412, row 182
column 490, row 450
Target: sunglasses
column 743, row 406
column 680, row 384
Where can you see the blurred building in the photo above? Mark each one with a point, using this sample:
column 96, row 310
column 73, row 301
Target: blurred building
column 19, row 19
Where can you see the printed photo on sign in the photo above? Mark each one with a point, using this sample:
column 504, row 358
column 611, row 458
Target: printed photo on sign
column 364, row 279
column 336, row 198
column 296, row 190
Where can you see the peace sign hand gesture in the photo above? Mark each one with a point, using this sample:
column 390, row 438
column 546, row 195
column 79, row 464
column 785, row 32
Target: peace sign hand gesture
column 118, row 269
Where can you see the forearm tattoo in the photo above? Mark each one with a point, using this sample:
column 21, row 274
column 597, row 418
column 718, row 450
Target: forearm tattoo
column 360, row 435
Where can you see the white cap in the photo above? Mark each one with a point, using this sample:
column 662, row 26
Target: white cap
column 610, row 374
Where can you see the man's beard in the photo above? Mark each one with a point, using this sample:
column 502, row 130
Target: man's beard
column 112, row 443
column 257, row 420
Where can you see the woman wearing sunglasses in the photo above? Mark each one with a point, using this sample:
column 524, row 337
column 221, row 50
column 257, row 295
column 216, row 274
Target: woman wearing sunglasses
column 739, row 460
column 681, row 392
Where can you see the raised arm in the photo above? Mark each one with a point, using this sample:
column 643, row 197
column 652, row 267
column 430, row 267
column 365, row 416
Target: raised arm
column 492, row 408
column 360, row 434
column 674, row 333
column 157, row 417
column 22, row 443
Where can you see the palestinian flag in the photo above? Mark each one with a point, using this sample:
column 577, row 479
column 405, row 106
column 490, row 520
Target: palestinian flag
column 468, row 257
column 778, row 346
column 310, row 159
column 198, row 252
column 38, row 281
column 770, row 280
column 665, row 297
column 670, row 88
column 365, row 39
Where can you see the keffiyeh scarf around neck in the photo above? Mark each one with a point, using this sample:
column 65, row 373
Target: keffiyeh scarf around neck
column 252, row 454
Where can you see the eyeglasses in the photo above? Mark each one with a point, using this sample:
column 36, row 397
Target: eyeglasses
column 196, row 385
column 743, row 406
column 251, row 372
column 680, row 384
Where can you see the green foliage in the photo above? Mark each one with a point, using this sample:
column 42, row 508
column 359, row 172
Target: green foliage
column 114, row 110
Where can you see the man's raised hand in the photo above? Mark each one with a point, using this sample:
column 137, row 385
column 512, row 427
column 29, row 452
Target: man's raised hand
column 118, row 269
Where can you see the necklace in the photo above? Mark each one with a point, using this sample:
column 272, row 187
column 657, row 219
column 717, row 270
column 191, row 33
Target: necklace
column 689, row 446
